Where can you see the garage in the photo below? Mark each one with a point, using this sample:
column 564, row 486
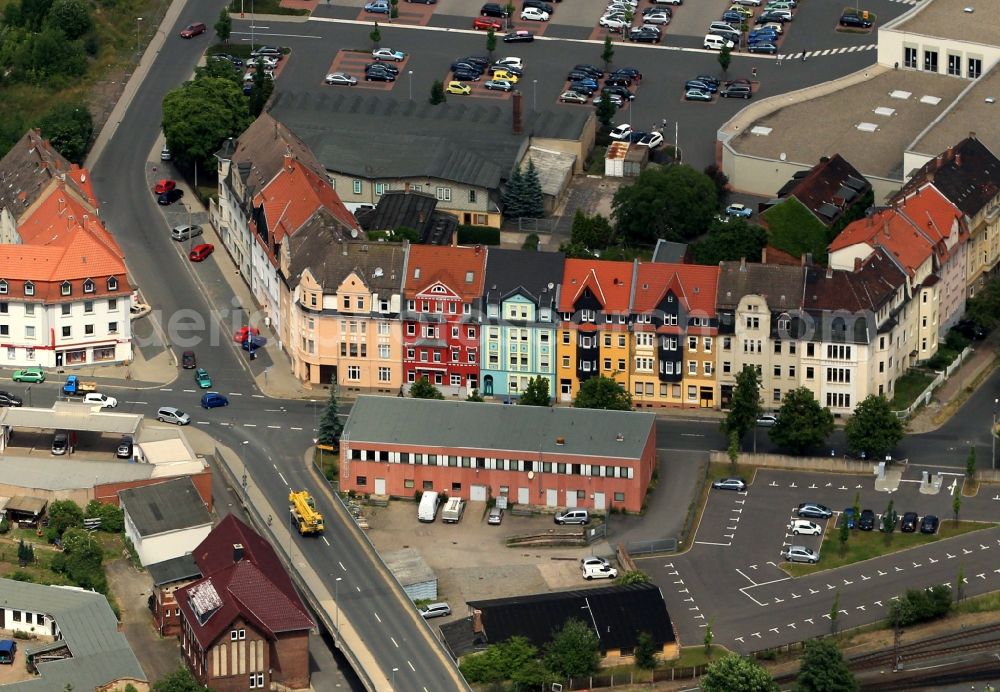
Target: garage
column 478, row 493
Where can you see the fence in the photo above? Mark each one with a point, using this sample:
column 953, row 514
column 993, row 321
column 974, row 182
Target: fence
column 662, row 545
column 835, row 464
column 924, row 397
column 612, row 680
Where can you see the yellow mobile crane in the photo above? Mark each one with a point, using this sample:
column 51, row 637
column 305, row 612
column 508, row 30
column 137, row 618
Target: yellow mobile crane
column 304, row 514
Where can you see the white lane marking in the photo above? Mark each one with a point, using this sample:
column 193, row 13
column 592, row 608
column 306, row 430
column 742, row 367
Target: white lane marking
column 294, row 428
column 258, row 396
column 137, row 402
column 166, row 390
column 235, row 393
column 249, row 425
column 282, row 478
column 711, row 543
column 326, row 541
column 275, row 427
column 203, row 422
column 411, row 666
column 376, row 616
column 189, row 391
column 393, row 640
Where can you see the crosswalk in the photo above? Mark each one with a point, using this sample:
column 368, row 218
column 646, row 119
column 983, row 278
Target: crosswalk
column 906, row 2
column 823, row 53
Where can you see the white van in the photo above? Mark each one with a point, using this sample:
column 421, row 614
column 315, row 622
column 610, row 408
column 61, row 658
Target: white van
column 714, row 42
column 452, row 511
column 427, row 511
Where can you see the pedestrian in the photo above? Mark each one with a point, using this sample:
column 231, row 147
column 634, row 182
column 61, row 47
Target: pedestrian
column 779, row 59
column 803, row 56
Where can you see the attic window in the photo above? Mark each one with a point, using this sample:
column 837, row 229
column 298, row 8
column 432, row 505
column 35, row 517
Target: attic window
column 930, row 100
column 416, row 272
column 29, row 288
column 469, row 277
column 66, row 288
column 88, row 286
column 867, row 127
column 112, row 284
column 3, row 287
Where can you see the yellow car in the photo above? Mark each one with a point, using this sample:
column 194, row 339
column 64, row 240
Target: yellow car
column 504, row 74
column 739, row 9
column 458, row 88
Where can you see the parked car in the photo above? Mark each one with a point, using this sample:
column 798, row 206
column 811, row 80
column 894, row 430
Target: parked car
column 340, row 79
column 467, row 75
column 376, row 75
column 804, row 527
column 909, row 522
column 479, row 61
column 495, row 516
column 165, row 154
column 850, row 517
column 510, row 61
column 619, row 91
column 384, row 66
column 199, row 253
column 377, row 7
column 185, row 232
column 458, row 88
column 103, row 400
column 765, row 47
column 970, row 330
column 499, row 85
column 800, row 553
column 60, row 444
column 615, row 99
column 202, row 378
column 232, row 59
column 620, row 131
column 814, row 510
column 192, row 30
column 508, row 74
column 169, row 197
column 487, row 23
column 651, row 140
column 463, row 66
column 740, row 91
column 8, row 399
column 252, row 343
column 124, row 450
column 272, row 51
column 929, row 524
column 163, row 185
column 699, row 84
column 32, row 375
column 435, row 610
column 742, row 211
column 855, row 20
column 243, row 333
column 389, row 54
column 594, row 561
column 630, row 72
column 520, row 36
column 538, row 5
column 582, row 88
column 169, row 414
column 644, row 34
column 573, row 97
column 610, row 22
column 213, row 400
column 656, row 18
column 572, row 516
column 188, row 360
column 866, row 522
column 730, row 484
column 888, row 522
column 697, row 95
column 598, row 572
column 493, row 9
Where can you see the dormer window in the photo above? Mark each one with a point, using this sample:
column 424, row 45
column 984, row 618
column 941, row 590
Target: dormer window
column 112, row 284
column 88, row 286
column 29, row 288
column 66, row 288
column 3, row 287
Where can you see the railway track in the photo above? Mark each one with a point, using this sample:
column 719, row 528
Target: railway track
column 988, row 636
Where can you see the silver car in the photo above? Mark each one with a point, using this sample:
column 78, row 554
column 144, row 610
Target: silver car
column 186, row 232
column 435, row 610
column 169, row 414
column 800, row 553
column 495, row 516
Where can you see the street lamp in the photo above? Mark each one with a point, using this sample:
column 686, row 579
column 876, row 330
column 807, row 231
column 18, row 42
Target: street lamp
column 394, row 678
column 243, row 458
column 993, row 436
column 534, row 94
column 336, row 599
column 410, row 75
column 27, row 393
column 138, row 21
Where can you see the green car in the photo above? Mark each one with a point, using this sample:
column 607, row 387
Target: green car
column 29, row 375
column 202, row 378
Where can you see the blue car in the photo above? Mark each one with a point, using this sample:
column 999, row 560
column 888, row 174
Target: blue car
column 763, row 34
column 763, row 47
column 732, row 18
column 739, row 211
column 587, row 81
column 699, row 84
column 253, row 342
column 377, row 7
column 213, row 400
column 850, row 517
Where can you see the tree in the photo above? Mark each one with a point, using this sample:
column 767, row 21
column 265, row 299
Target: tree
column 260, row 91
column 873, row 429
column 181, row 680
column 984, row 307
column 823, row 669
column 725, row 57
column 676, row 203
column 112, row 518
column 491, row 43
column 531, row 242
column 709, row 637
column 48, row 57
column 474, row 395
column 534, row 199
column 835, row 611
column 844, row 535
column 605, row 113
column 513, row 196
column 64, row 514
column 719, row 178
column 591, row 232
column 437, row 92
column 970, row 463
column 423, row 389
column 222, row 69
column 536, row 393
column 960, row 584
column 69, row 127
column 608, row 53
column 733, row 451
column 645, row 651
column 956, row 502
column 375, row 35
column 605, row 393
column 734, row 673
column 729, row 241
column 573, row 651
column 393, row 9
column 224, row 27
column 744, row 407
column 634, row 576
column 200, row 115
column 802, row 423
column 72, row 17
column 888, row 522
column 330, row 425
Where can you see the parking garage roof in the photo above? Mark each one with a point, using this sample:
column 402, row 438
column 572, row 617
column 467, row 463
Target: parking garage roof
column 67, row 415
column 69, row 473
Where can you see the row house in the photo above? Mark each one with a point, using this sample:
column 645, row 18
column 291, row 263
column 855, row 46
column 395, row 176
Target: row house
column 441, row 336
column 65, row 297
column 968, row 176
column 519, row 320
column 342, row 302
column 594, row 338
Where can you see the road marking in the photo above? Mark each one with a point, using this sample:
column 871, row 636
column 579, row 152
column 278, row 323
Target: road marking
column 983, row 547
column 700, row 616
column 751, row 597
column 898, row 569
column 189, row 391
column 294, row 428
column 771, row 563
column 878, row 603
column 342, row 566
column 689, row 600
column 137, row 402
column 287, row 35
column 249, row 425
column 225, row 424
column 691, row 435
column 830, row 587
column 932, row 560
column 860, row 607
column 826, row 615
column 282, row 478
column 729, row 536
column 773, row 629
column 683, row 591
column 966, row 551
column 792, row 485
column 235, row 393
column 844, row 612
column 694, row 608
column 949, row 556
column 828, row 485
column 740, row 640
column 752, row 566
column 711, row 543
column 810, row 621
column 843, row 487
column 813, row 486
column 894, row 598
column 916, row 564
column 982, row 575
column 791, row 624
column 412, row 668
column 795, row 595
column 202, row 422
column 274, row 427
column 778, row 600
column 756, row 634
column 813, row 592
column 746, row 577
column 166, row 390
column 679, row 581
column 847, row 582
column 376, row 616
column 393, row 640
column 864, row 578
column 326, row 541
column 258, row 396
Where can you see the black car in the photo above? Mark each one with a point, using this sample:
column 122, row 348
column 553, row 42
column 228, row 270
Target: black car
column 124, row 450
column 636, row 135
column 575, row 75
column 480, row 60
column 492, row 9
column 388, row 66
column 516, row 71
column 379, row 76
column 617, row 80
column 538, row 4
column 700, row 84
column 855, row 20
column 665, row 10
column 709, row 79
column 763, row 47
column 866, row 522
column 644, row 35
column 466, row 67
column 814, row 510
column 521, row 36
column 170, row 196
column 188, row 361
column 594, row 71
column 767, row 18
column 269, row 51
column 738, row 91
column 970, row 330
column 909, row 522
column 620, row 90
column 8, row 399
column 630, row 72
column 466, row 75
column 929, row 524
column 228, row 58
column 582, row 88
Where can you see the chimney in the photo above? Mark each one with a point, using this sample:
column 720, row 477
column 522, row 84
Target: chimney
column 958, row 160
column 289, row 162
column 857, row 264
column 938, row 161
column 516, row 125
column 477, row 621
column 950, row 153
column 763, row 255
column 237, row 552
column 743, row 264
column 972, row 134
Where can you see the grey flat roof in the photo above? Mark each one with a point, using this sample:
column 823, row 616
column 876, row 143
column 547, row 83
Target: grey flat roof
column 68, row 415
column 408, row 566
column 158, row 508
column 968, row 114
column 100, row 653
column 808, row 130
column 470, row 425
column 69, row 474
column 175, row 569
column 948, row 19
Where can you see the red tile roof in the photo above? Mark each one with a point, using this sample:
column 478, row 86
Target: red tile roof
column 693, row 284
column 461, row 269
column 610, row 282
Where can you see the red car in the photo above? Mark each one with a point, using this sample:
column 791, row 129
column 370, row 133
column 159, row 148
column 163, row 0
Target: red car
column 200, row 252
column 165, row 185
column 241, row 334
column 193, row 30
column 487, row 23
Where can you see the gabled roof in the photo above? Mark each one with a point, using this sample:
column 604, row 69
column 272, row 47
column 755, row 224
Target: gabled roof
column 409, row 209
column 610, row 282
column 536, row 275
column 670, row 252
column 618, row 614
column 827, row 188
column 28, row 169
column 782, row 286
column 251, row 584
column 968, row 174
column 461, row 269
column 180, row 568
column 160, row 508
column 695, row 285
column 380, row 265
column 869, row 287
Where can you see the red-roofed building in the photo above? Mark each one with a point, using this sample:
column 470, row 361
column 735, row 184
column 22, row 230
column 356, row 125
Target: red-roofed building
column 440, row 333
column 243, row 626
column 64, row 293
column 594, row 339
column 674, row 329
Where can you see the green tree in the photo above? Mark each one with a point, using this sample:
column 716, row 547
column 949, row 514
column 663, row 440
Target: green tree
column 534, row 199
column 64, row 514
column 734, row 673
column 112, row 518
column 423, row 389
column 181, row 680
column 823, row 669
column 474, row 395
column 603, row 392
column 437, row 92
column 222, row 69
column 224, row 27
column 200, row 115
column 261, row 89
column 48, row 57
column 873, row 429
column 634, row 576
column 573, row 651
column 591, row 232
column 645, row 651
column 491, row 43
column 856, row 506
column 843, row 536
column 375, row 35
column 676, row 203
column 707, row 640
column 330, row 425
column 956, row 502
column 536, row 393
column 984, row 307
column 835, row 611
column 970, row 463
column 72, row 17
column 393, row 9
column 605, row 114
column 513, row 195
column 69, row 127
column 802, row 423
column 725, row 57
column 531, row 242
column 733, row 450
column 744, row 407
column 719, row 179
column 960, row 584
column 730, row 241
column 888, row 523
column 608, row 52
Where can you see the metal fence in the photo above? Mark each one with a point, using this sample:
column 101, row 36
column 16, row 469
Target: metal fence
column 649, row 547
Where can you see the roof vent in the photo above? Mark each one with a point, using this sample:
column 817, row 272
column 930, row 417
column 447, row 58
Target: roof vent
column 969, row 10
column 620, row 437
column 560, row 441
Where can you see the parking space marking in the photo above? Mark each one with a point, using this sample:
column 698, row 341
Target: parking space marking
column 795, row 595
column 711, row 543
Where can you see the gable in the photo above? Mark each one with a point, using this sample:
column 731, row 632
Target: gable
column 437, row 291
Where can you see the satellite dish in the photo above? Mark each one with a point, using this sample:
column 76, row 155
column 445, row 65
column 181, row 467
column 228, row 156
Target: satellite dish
column 551, row 285
column 354, row 233
column 531, row 474
column 782, row 156
column 378, row 271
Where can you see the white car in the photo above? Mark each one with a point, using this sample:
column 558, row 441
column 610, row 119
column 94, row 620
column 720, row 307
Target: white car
column 656, row 18
column 268, row 62
column 777, row 26
column 103, row 399
column 752, row 3
column 804, row 527
column 510, row 62
column 621, row 132
column 594, row 560
column 533, row 14
column 667, row 2
column 612, row 22
column 651, row 140
column 248, row 77
column 435, row 610
column 595, row 571
column 389, row 54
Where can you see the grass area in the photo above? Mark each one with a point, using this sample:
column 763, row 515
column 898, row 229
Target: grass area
column 596, row 165
column 262, row 7
column 793, row 228
column 864, row 545
column 908, row 387
column 328, row 463
column 696, row 656
column 987, row 603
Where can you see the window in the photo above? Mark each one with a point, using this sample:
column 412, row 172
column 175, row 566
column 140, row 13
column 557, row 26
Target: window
column 727, row 367
column 5, row 331
column 456, row 380
column 29, row 288
column 112, row 304
column 67, row 332
column 472, row 196
column 692, row 367
column 444, row 194
column 362, row 480
column 112, row 283
column 975, row 70
column 791, row 371
column 3, row 287
column 954, row 65
column 692, row 393
column 88, row 307
column 708, row 344
column 29, row 332
column 930, row 61
column 810, row 350
column 112, row 327
column 910, row 58
column 810, row 373
column 776, row 395
column 88, row 330
column 707, row 365
column 357, row 186
column 727, row 343
column 692, row 343
column 88, row 286
column 777, row 371
column 65, row 288
column 621, row 341
column 65, row 309
column 16, row 615
column 354, row 372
